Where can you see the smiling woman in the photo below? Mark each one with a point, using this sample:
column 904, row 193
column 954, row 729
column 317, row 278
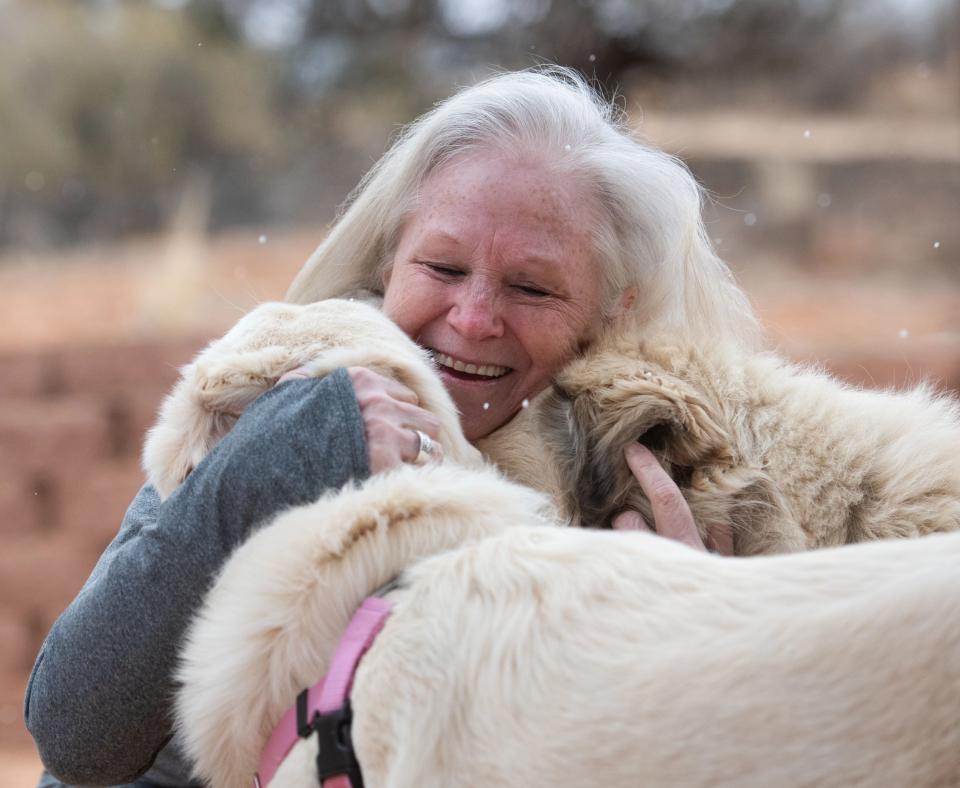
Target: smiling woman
column 502, row 231
column 495, row 273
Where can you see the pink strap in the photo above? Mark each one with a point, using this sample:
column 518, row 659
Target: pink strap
column 363, row 628
column 330, row 693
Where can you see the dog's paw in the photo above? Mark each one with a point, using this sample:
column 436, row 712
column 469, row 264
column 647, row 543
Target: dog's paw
column 229, row 383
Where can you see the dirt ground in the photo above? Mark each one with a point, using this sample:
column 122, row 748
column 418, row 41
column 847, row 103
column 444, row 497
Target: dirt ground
column 94, row 337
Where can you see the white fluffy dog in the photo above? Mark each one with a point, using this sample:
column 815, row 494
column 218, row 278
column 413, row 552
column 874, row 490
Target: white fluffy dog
column 528, row 656
column 522, row 655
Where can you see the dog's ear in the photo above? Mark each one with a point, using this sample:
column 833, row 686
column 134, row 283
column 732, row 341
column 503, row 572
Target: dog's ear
column 597, row 418
column 657, row 408
column 203, row 406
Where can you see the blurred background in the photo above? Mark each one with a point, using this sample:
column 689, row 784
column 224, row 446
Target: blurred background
column 165, row 165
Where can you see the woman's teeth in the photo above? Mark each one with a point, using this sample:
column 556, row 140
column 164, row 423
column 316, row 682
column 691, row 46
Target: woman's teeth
column 486, row 370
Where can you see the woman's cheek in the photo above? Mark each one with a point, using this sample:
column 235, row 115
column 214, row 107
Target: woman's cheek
column 554, row 338
column 411, row 303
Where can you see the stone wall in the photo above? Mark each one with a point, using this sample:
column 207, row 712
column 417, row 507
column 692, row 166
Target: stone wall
column 71, row 428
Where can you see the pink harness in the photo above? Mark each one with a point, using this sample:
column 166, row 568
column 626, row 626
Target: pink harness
column 325, row 708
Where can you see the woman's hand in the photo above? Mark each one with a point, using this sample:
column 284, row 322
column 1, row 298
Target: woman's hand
column 391, row 418
column 671, row 514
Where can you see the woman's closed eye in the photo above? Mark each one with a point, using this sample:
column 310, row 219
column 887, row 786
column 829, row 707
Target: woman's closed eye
column 453, row 272
column 533, row 290
column 441, row 269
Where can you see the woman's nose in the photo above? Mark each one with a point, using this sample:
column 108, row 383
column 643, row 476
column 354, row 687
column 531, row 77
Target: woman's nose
column 475, row 314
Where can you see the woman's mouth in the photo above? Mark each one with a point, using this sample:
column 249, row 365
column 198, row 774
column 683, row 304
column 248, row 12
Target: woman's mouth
column 464, row 370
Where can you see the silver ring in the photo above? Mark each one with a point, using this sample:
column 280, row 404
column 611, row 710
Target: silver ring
column 425, row 450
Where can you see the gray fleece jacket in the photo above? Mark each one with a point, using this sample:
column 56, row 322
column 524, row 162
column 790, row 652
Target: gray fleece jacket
column 98, row 703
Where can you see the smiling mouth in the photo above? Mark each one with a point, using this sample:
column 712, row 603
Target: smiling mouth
column 466, row 371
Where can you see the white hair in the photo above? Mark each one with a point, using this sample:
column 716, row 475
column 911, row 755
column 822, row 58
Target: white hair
column 650, row 234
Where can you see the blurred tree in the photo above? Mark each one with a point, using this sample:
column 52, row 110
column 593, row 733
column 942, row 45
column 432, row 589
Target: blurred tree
column 104, row 106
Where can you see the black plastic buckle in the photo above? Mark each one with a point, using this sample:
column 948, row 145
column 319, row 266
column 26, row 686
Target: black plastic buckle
column 335, row 753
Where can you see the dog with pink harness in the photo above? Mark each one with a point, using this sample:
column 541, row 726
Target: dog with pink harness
column 508, row 641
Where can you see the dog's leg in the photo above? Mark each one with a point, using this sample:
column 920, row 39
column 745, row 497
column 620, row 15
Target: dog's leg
column 201, row 409
column 269, row 626
column 229, row 383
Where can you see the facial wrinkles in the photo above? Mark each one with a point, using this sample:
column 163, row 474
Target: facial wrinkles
column 500, row 228
column 492, row 305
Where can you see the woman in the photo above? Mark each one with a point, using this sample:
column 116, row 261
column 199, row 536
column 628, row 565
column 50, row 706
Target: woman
column 503, row 229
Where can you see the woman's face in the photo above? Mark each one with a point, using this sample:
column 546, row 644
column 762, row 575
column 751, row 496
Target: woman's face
column 495, row 274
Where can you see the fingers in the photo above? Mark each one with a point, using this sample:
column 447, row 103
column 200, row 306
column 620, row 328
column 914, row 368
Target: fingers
column 412, row 418
column 672, row 517
column 391, row 430
column 391, row 420
column 366, row 381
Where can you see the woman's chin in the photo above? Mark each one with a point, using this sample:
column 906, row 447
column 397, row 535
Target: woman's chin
column 479, row 416
column 484, row 403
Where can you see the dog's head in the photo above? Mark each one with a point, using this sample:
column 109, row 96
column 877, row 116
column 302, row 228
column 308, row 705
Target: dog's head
column 625, row 390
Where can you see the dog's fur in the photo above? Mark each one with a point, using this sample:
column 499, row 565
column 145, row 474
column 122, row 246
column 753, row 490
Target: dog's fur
column 271, row 340
column 286, row 596
column 520, row 655
column 789, row 457
column 528, row 655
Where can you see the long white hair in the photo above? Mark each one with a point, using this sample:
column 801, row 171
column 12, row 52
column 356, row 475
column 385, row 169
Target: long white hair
column 650, row 234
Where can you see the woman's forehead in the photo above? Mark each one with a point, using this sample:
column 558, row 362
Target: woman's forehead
column 496, row 198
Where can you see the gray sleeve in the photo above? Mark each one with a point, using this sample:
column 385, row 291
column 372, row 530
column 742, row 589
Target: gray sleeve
column 98, row 703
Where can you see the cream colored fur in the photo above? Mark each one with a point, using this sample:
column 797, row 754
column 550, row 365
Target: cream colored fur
column 524, row 655
column 519, row 655
column 790, row 457
column 273, row 339
column 270, row 624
